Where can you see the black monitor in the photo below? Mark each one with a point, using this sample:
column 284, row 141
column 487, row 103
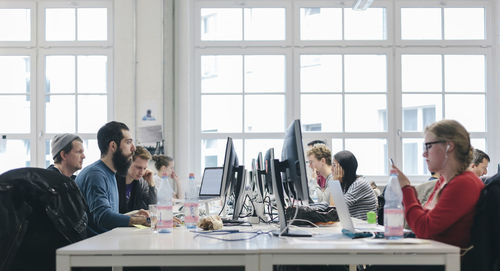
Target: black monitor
column 273, row 176
column 258, row 175
column 232, row 177
column 293, row 159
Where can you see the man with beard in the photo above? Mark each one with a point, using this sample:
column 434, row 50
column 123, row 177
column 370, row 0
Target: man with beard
column 98, row 183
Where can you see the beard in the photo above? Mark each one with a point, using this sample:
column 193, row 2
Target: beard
column 121, row 162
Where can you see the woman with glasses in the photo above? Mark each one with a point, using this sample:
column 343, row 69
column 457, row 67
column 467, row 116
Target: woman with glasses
column 448, row 214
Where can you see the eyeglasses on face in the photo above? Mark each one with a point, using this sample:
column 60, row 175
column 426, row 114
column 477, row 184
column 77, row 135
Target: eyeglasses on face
column 428, row 145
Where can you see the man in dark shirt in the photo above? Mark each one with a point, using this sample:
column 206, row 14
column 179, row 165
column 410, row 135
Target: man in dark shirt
column 67, row 152
column 137, row 189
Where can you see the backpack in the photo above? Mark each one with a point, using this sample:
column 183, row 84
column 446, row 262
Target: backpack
column 41, row 211
column 317, row 214
column 484, row 254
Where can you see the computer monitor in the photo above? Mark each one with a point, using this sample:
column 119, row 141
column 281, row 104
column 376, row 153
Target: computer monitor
column 273, row 176
column 233, row 176
column 261, row 177
column 257, row 176
column 293, row 160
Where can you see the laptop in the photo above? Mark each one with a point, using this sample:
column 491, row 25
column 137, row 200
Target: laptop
column 349, row 228
column 211, row 183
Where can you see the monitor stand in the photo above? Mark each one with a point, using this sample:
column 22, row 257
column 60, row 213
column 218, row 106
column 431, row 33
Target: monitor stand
column 280, row 205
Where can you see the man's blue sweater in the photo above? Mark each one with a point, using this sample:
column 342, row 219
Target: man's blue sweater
column 98, row 185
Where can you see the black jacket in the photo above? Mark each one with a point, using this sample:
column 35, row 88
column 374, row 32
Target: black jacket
column 40, row 211
column 485, row 233
column 140, row 197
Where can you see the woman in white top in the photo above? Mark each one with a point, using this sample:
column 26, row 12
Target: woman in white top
column 165, row 170
column 358, row 193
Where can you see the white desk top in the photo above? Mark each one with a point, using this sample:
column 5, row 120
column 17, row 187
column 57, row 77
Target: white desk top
column 123, row 241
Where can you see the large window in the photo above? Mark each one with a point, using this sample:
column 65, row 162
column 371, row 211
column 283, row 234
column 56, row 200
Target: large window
column 366, row 81
column 54, row 77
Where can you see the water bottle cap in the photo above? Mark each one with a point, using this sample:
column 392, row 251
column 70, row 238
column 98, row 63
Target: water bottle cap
column 393, row 171
column 191, row 175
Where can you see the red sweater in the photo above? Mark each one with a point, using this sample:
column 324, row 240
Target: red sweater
column 450, row 220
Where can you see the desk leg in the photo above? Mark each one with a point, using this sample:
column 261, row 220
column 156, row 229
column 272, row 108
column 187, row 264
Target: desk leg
column 62, row 263
column 252, row 263
column 266, row 262
column 452, row 262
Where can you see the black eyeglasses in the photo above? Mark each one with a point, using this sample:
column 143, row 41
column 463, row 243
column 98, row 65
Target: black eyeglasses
column 428, row 145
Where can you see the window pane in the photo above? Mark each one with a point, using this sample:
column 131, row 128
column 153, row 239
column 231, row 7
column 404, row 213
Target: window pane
column 14, row 153
column 427, row 109
column 214, row 150
column 421, row 23
column 91, row 151
column 60, row 24
column 221, row 24
column 321, row 113
column 413, row 161
column 92, row 74
column 15, row 114
column 221, row 74
column 364, row 24
column 60, row 114
column 365, row 113
column 15, row 24
column 264, row 24
column 264, row 73
column 365, row 73
column 92, row 113
column 371, row 155
column 472, row 119
column 337, row 146
column 320, row 23
column 15, row 74
column 92, row 24
column 254, row 146
column 60, row 74
column 264, row 113
column 464, row 73
column 421, row 73
column 479, row 143
column 221, row 113
column 320, row 73
column 464, row 23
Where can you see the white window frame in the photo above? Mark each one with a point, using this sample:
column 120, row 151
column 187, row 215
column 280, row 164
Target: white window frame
column 37, row 49
column 74, row 4
column 393, row 46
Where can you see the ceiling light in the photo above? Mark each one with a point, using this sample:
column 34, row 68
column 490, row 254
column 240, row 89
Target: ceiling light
column 362, row 4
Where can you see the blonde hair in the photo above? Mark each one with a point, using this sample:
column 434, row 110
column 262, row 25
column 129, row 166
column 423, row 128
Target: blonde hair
column 141, row 152
column 452, row 130
column 321, row 151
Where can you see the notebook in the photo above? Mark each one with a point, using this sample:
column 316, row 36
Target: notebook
column 345, row 217
column 211, row 183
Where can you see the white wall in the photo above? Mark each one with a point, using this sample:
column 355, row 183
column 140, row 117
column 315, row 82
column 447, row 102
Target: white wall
column 143, row 64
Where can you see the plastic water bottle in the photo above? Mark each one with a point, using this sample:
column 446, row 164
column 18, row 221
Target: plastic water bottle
column 165, row 214
column 393, row 208
column 191, row 204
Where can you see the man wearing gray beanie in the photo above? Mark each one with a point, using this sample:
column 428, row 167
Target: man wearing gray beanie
column 67, row 152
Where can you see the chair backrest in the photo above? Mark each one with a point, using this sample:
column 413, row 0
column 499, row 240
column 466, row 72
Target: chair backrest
column 48, row 212
column 485, row 232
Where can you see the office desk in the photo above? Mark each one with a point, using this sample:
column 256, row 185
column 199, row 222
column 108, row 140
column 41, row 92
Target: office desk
column 134, row 247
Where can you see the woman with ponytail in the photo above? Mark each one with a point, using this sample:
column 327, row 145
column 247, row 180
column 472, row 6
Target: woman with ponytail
column 448, row 214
